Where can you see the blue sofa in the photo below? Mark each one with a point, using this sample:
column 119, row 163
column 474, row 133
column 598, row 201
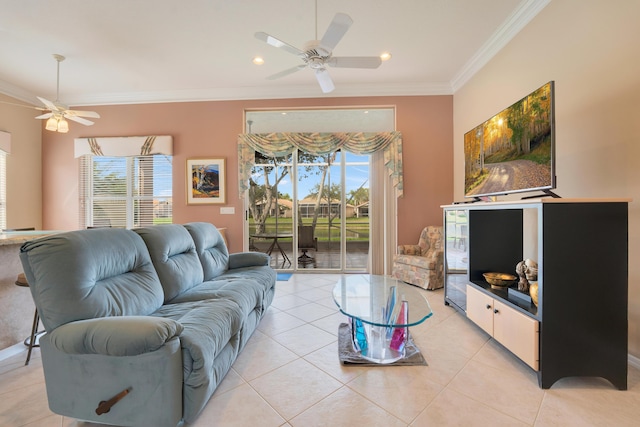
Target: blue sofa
column 142, row 325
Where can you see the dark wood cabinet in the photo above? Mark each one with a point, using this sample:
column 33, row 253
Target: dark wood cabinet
column 581, row 246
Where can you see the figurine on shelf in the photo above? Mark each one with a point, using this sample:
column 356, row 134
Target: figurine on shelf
column 523, row 283
column 531, row 270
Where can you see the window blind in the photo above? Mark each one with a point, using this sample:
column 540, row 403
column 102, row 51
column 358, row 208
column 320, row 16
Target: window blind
column 126, row 192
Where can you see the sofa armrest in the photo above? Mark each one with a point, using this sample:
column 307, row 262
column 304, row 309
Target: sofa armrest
column 115, row 336
column 409, row 250
column 248, row 259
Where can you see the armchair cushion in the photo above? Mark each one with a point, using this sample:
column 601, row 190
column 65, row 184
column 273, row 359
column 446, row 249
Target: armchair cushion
column 409, row 250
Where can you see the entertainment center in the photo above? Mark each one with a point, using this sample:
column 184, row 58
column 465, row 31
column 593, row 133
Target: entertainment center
column 579, row 326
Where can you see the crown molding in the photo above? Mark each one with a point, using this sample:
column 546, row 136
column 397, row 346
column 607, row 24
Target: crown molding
column 17, row 92
column 503, row 35
column 261, row 92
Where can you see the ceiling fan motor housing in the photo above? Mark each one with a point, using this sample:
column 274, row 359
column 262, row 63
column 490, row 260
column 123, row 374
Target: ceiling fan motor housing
column 314, row 55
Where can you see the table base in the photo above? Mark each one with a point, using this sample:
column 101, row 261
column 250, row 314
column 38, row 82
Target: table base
column 350, row 356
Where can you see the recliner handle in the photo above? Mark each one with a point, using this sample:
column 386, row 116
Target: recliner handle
column 105, row 405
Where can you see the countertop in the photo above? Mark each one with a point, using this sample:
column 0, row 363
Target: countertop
column 19, row 237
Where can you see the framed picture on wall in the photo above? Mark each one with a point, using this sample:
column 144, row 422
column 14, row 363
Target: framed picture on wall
column 206, row 181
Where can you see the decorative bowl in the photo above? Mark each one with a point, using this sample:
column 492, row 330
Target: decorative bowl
column 500, row 280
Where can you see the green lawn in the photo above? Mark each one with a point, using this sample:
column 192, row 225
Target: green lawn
column 357, row 228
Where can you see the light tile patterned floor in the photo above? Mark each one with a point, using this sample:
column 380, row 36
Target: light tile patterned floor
column 289, row 375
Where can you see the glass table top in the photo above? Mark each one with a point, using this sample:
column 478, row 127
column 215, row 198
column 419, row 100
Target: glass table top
column 377, row 300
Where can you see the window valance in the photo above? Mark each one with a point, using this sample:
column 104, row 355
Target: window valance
column 5, row 142
column 124, row 146
column 284, row 143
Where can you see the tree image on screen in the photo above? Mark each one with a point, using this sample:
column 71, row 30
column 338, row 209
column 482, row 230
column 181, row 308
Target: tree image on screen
column 513, row 150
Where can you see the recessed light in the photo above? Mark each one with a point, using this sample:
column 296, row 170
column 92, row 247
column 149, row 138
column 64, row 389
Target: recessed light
column 385, row 56
column 258, row 60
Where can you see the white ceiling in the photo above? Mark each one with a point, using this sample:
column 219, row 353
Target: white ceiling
column 140, row 51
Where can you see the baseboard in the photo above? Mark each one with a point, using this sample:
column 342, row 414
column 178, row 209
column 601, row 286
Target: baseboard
column 8, row 352
column 634, row 361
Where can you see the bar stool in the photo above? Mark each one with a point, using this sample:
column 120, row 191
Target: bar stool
column 30, row 341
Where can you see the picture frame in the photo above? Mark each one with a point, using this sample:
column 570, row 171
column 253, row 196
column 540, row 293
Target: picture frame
column 206, row 181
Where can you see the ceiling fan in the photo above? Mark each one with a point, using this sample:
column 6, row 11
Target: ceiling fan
column 317, row 54
column 59, row 112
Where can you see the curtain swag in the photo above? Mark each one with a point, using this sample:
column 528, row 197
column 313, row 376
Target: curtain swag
column 283, row 143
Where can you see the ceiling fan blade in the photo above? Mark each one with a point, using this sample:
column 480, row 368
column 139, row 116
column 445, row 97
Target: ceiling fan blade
column 355, row 61
column 78, row 120
column 286, row 72
column 324, row 79
column 50, row 105
column 44, row 116
column 270, row 40
column 80, row 113
column 337, row 29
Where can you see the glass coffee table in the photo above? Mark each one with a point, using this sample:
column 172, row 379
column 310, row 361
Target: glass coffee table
column 381, row 309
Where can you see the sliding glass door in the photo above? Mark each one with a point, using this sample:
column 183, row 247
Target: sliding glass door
column 317, row 204
column 312, row 212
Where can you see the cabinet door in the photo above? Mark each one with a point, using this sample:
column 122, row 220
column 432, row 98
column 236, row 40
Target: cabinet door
column 517, row 332
column 480, row 309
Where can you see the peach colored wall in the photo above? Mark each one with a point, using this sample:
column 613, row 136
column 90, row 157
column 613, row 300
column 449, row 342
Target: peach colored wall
column 209, row 129
column 589, row 49
column 24, row 192
column 24, row 209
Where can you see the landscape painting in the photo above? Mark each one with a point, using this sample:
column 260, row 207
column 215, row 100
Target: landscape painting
column 205, row 181
column 513, row 150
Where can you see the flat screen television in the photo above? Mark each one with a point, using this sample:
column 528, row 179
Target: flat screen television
column 513, row 151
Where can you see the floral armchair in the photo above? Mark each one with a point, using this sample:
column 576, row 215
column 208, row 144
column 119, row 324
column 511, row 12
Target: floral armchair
column 422, row 264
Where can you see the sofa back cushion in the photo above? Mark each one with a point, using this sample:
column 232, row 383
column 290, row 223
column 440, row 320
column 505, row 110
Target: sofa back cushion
column 210, row 247
column 174, row 256
column 85, row 274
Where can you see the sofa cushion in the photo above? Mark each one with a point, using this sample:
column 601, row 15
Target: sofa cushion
column 174, row 256
column 264, row 275
column 85, row 274
column 210, row 247
column 247, row 294
column 208, row 326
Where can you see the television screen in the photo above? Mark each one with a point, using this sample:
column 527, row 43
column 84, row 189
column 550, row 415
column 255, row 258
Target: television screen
column 514, row 150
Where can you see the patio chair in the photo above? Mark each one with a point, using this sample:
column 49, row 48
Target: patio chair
column 306, row 242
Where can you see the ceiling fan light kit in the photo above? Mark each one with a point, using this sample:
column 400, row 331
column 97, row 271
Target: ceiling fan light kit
column 59, row 113
column 57, row 125
column 317, row 54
